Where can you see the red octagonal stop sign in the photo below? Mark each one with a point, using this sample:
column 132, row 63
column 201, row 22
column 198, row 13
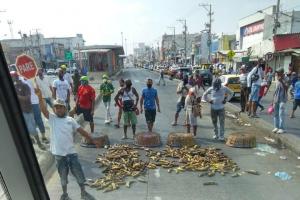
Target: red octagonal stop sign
column 26, row 66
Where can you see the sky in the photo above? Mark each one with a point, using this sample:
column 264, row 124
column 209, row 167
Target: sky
column 102, row 21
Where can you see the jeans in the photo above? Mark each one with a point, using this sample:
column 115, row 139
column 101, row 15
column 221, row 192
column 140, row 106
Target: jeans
column 30, row 123
column 38, row 117
column 70, row 161
column 107, row 107
column 244, row 98
column 215, row 114
column 258, row 103
column 161, row 79
column 279, row 115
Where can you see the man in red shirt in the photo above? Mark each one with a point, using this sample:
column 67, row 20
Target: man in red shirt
column 85, row 102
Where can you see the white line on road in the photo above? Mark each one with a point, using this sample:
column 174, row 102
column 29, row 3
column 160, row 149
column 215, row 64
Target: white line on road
column 156, row 173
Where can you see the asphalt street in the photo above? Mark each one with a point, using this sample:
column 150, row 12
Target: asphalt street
column 162, row 185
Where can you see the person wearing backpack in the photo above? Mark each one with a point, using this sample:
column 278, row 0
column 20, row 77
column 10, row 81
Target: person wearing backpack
column 254, row 80
column 296, row 102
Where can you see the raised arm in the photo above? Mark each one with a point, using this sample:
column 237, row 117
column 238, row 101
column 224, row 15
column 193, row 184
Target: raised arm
column 43, row 106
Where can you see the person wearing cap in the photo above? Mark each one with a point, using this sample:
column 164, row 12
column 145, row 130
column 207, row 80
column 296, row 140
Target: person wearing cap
column 67, row 76
column 182, row 90
column 219, row 95
column 62, row 128
column 243, row 87
column 106, row 90
column 279, row 100
column 149, row 101
column 254, row 79
column 24, row 95
column 296, row 101
column 85, row 101
column 192, row 99
column 61, row 88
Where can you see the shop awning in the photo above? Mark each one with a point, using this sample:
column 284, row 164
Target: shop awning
column 95, row 50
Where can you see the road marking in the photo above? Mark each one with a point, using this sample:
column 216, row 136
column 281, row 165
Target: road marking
column 156, row 173
column 157, row 198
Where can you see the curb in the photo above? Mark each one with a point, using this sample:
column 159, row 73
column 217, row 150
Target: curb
column 285, row 140
column 47, row 159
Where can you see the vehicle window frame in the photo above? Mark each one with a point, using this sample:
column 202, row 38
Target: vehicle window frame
column 16, row 123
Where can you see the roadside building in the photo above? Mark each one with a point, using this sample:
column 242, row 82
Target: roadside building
column 108, row 58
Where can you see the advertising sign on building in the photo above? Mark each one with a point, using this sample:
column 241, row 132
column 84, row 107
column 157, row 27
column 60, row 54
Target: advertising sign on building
column 251, row 29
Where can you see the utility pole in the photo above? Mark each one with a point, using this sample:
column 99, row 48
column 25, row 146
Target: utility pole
column 185, row 41
column 10, row 23
column 39, row 47
column 208, row 8
column 276, row 22
column 122, row 38
column 125, row 46
column 174, row 41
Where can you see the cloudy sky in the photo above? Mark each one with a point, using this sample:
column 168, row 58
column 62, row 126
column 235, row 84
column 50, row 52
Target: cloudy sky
column 102, row 21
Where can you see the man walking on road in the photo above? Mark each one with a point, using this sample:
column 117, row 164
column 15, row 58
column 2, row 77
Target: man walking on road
column 279, row 100
column 62, row 145
column 67, row 76
column 24, row 97
column 149, row 100
column 254, row 80
column 296, row 102
column 85, row 102
column 44, row 84
column 161, row 77
column 76, row 82
column 106, row 90
column 182, row 90
column 129, row 106
column 122, row 83
column 219, row 95
column 61, row 89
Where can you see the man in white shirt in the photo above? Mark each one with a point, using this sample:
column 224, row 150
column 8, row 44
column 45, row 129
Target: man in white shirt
column 36, row 110
column 61, row 89
column 254, row 79
column 62, row 144
column 45, row 86
column 67, row 76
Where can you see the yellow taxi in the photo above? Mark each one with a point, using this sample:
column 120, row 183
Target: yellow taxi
column 232, row 81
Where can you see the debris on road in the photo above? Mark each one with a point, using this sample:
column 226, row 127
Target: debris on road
column 283, row 157
column 210, row 183
column 269, row 139
column 253, row 172
column 123, row 164
column 260, row 153
column 241, row 140
column 266, row 148
column 283, row 176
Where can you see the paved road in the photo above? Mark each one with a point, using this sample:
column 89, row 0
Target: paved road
column 164, row 186
column 292, row 125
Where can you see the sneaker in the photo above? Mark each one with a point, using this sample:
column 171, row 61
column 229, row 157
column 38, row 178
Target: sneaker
column 45, row 140
column 292, row 116
column 280, row 131
column 215, row 137
column 86, row 196
column 106, row 121
column 221, row 138
column 275, row 130
column 65, row 197
column 262, row 108
column 174, row 124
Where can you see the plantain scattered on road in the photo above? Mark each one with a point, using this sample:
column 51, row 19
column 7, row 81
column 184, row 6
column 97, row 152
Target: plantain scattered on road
column 123, row 164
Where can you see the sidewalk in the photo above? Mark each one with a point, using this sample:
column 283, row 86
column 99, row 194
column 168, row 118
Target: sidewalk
column 45, row 158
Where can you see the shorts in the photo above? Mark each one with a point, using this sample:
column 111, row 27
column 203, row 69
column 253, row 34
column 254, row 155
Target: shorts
column 70, row 161
column 296, row 103
column 30, row 123
column 180, row 106
column 129, row 118
column 86, row 114
column 150, row 116
column 191, row 119
column 254, row 93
